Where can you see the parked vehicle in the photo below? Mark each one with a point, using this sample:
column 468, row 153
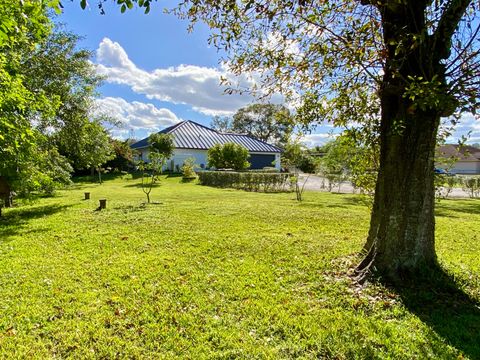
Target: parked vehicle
column 440, row 171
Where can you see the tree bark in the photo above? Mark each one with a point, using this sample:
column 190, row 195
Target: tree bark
column 401, row 239
column 402, row 227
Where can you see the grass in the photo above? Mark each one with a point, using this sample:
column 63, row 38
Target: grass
column 211, row 273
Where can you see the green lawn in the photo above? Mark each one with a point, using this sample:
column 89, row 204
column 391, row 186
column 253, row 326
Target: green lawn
column 211, row 273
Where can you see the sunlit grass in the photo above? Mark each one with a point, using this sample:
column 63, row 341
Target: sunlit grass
column 211, row 273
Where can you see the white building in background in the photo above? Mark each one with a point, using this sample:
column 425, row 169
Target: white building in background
column 459, row 159
column 193, row 140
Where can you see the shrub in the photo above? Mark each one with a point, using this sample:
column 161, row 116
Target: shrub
column 266, row 169
column 188, row 169
column 249, row 181
column 308, row 164
column 228, row 156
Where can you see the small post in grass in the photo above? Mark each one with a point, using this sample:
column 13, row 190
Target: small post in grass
column 103, row 204
column 87, row 196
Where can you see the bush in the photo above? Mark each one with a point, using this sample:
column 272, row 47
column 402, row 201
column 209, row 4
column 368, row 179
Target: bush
column 188, row 169
column 308, row 164
column 249, row 181
column 267, row 169
column 228, row 156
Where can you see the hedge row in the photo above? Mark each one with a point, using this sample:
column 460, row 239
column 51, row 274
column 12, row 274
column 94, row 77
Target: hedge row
column 249, row 181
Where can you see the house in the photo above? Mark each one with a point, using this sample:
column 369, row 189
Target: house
column 459, row 159
column 193, row 140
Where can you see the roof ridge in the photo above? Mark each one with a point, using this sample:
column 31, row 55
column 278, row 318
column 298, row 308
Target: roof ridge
column 173, row 127
column 201, row 125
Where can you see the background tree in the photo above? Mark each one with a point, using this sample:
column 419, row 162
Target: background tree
column 24, row 26
column 62, row 71
column 124, row 155
column 296, row 158
column 47, row 101
column 221, row 123
column 267, row 122
column 160, row 148
column 228, row 156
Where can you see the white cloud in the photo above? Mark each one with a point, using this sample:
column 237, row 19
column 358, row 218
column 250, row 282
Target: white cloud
column 468, row 126
column 193, row 85
column 136, row 115
column 312, row 140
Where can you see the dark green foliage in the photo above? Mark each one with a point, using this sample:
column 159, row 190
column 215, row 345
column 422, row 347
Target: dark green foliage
column 249, row 181
column 123, row 159
column 221, row 123
column 46, row 100
column 308, row 164
column 63, row 71
column 271, row 123
column 228, row 156
column 24, row 25
column 267, row 122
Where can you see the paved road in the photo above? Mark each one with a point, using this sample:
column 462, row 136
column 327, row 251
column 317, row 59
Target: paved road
column 317, row 183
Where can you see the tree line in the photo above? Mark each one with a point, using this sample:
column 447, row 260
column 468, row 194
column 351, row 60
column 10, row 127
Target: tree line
column 49, row 126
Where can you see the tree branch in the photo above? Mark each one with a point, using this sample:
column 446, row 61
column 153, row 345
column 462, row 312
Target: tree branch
column 446, row 27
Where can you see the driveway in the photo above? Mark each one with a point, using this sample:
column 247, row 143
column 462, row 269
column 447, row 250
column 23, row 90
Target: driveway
column 318, row 183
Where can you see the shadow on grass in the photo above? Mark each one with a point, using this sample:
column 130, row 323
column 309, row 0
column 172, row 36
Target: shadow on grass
column 130, row 208
column 447, row 209
column 450, row 312
column 138, row 175
column 139, row 185
column 16, row 219
column 345, row 201
column 173, row 175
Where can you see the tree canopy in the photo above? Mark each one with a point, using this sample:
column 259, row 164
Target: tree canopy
column 271, row 123
column 267, row 122
column 24, row 25
column 47, row 124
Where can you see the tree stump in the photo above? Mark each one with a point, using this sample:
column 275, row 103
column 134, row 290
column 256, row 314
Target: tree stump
column 87, row 196
column 6, row 194
column 103, row 204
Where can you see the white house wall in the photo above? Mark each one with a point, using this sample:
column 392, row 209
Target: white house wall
column 180, row 155
column 466, row 167
column 200, row 156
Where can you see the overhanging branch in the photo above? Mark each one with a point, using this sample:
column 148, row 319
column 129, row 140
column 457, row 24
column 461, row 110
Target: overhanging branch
column 446, row 27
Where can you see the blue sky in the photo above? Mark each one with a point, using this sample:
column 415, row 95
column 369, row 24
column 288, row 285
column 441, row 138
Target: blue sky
column 157, row 73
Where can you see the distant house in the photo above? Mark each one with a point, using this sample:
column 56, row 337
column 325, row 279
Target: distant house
column 193, row 140
column 465, row 159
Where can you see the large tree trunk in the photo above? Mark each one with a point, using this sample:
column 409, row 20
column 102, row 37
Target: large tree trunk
column 402, row 227
column 401, row 239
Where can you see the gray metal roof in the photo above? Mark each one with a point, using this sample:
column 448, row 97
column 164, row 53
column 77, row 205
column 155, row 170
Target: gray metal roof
column 191, row 135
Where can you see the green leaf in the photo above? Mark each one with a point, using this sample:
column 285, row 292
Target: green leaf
column 83, row 4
